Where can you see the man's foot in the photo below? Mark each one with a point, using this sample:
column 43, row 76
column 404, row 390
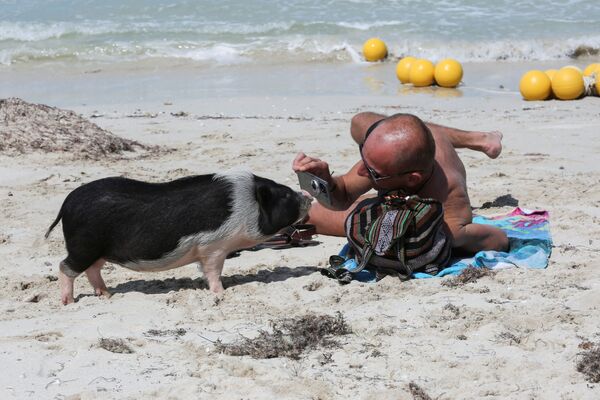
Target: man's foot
column 492, row 143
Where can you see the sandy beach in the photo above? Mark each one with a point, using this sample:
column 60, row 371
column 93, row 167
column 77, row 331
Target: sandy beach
column 516, row 334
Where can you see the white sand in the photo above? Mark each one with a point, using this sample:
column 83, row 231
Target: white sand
column 514, row 336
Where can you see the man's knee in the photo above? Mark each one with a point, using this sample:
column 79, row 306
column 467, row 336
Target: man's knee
column 496, row 239
column 477, row 237
column 503, row 242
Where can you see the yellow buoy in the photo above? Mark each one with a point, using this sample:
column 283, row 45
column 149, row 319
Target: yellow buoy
column 575, row 68
column 535, row 85
column 590, row 69
column 448, row 73
column 374, row 50
column 551, row 73
column 567, row 84
column 403, row 69
column 421, row 73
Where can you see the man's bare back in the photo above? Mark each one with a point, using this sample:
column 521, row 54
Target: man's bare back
column 449, row 185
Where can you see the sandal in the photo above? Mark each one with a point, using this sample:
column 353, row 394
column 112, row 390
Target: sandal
column 299, row 235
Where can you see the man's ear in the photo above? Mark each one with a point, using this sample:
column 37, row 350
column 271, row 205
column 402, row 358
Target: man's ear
column 414, row 178
column 362, row 170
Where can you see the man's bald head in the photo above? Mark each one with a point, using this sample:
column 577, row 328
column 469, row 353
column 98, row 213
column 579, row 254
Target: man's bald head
column 405, row 141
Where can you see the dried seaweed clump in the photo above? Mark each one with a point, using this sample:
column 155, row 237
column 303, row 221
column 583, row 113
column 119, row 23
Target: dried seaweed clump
column 115, row 345
column 290, row 337
column 165, row 332
column 589, row 364
column 27, row 127
column 501, row 201
column 469, row 274
column 417, row 392
column 584, row 51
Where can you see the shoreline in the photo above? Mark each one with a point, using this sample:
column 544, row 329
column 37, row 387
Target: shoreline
column 99, row 84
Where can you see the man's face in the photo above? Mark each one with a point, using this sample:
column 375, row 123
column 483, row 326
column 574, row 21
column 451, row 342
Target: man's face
column 387, row 177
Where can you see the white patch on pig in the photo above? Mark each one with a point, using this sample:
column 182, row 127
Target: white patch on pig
column 240, row 230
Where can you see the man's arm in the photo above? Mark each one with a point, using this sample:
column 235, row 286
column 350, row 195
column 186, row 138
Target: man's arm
column 345, row 189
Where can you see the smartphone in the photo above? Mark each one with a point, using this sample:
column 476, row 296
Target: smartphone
column 317, row 187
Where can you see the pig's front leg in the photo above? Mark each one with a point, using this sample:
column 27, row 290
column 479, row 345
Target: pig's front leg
column 212, row 266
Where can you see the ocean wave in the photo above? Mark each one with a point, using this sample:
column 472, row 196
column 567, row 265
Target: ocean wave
column 296, row 49
column 365, row 26
column 396, row 32
column 34, row 32
column 508, row 50
column 73, row 31
column 218, row 54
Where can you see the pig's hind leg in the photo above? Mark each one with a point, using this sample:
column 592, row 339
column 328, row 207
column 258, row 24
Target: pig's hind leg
column 95, row 277
column 66, row 277
column 71, row 267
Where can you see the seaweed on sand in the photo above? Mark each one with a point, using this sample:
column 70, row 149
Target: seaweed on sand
column 27, row 127
column 290, row 337
column 469, row 274
column 589, row 364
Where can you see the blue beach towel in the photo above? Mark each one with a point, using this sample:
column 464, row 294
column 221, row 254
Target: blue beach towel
column 530, row 246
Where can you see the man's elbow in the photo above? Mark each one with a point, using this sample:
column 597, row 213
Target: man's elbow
column 357, row 126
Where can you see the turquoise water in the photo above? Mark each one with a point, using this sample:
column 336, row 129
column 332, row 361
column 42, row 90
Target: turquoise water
column 283, row 32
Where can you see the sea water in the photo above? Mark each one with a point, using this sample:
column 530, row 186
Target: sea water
column 69, row 52
column 286, row 32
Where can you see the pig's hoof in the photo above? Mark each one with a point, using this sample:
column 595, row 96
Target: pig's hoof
column 103, row 292
column 67, row 300
column 216, row 288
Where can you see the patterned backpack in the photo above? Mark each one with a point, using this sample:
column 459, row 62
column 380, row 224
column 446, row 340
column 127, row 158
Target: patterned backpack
column 398, row 234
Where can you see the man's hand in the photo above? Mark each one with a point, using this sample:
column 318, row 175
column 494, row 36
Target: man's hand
column 344, row 189
column 304, row 163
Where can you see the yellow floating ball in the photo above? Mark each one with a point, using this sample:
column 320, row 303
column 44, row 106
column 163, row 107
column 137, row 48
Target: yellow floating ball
column 567, row 84
column 403, row 69
column 575, row 68
column 448, row 73
column 421, row 73
column 590, row 69
column 375, row 50
column 551, row 73
column 535, row 85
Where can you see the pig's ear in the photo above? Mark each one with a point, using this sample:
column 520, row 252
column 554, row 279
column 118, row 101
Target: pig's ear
column 267, row 209
column 264, row 195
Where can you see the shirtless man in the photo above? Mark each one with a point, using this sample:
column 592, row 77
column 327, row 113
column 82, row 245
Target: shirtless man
column 402, row 152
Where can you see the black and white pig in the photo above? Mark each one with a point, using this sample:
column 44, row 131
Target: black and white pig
column 159, row 226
